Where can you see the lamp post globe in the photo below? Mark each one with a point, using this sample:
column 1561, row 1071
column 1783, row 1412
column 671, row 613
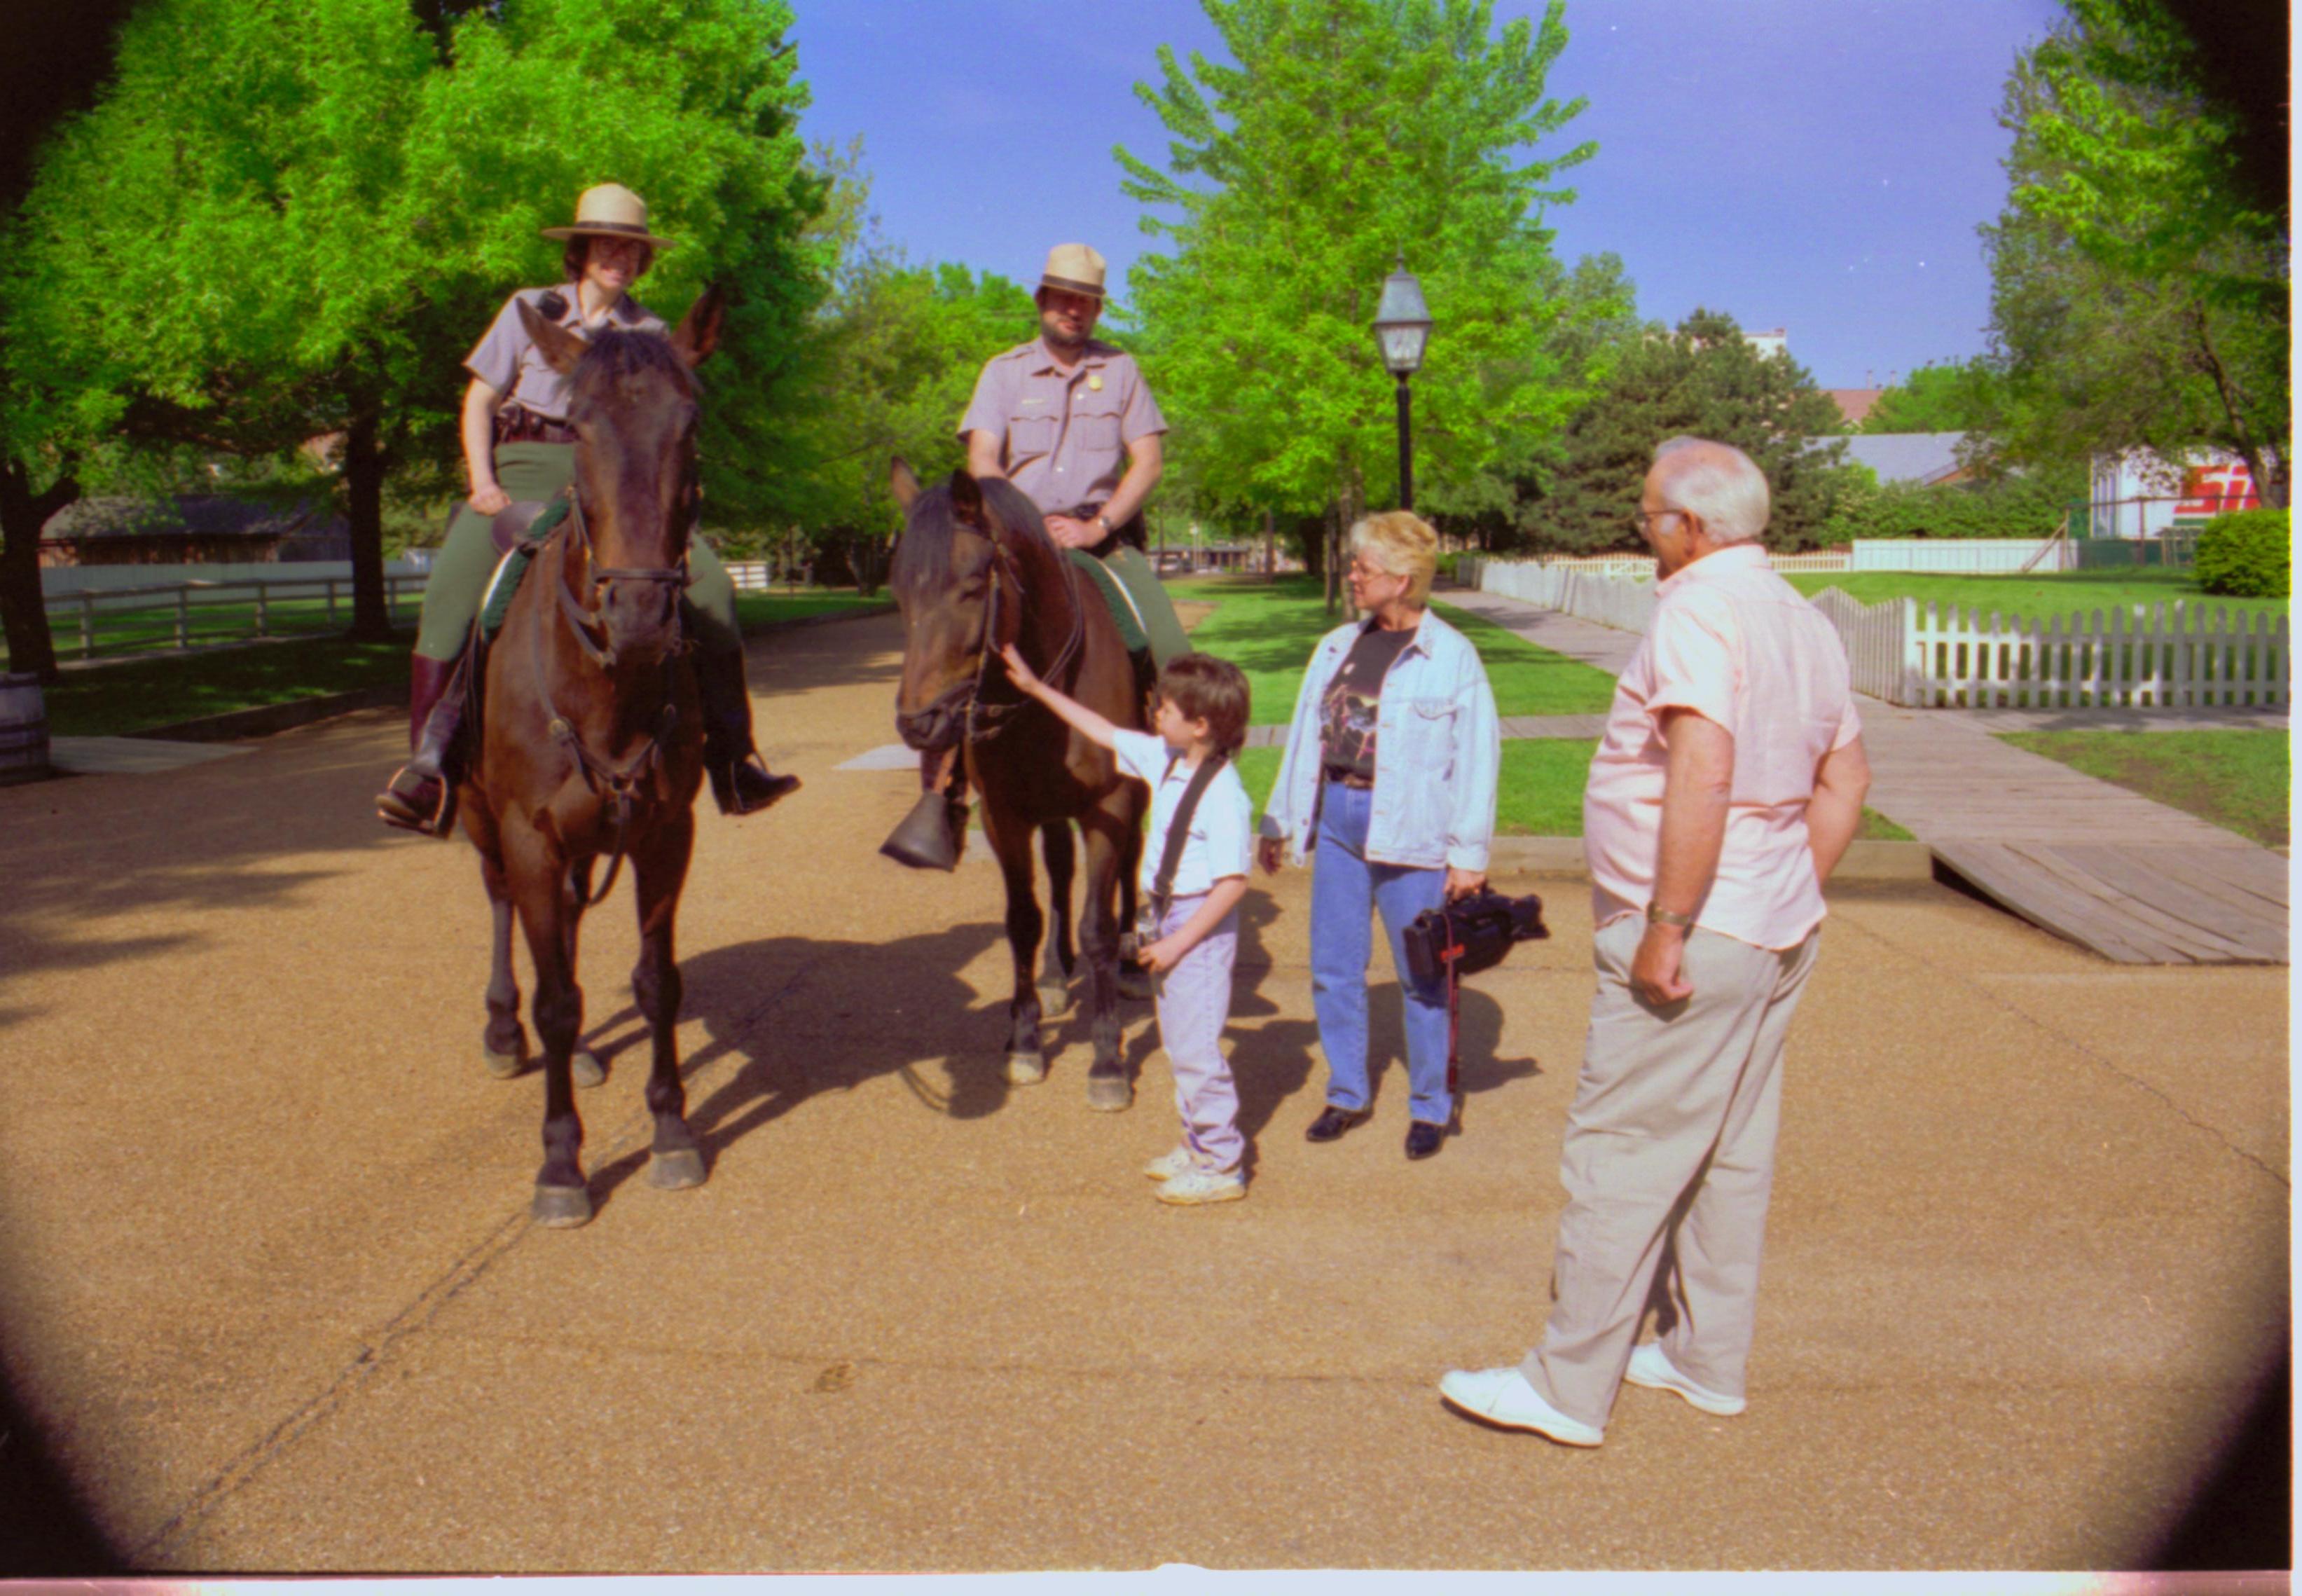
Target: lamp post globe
column 1402, row 326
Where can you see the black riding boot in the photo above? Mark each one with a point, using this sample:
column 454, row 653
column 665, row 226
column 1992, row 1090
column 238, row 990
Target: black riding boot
column 421, row 795
column 741, row 782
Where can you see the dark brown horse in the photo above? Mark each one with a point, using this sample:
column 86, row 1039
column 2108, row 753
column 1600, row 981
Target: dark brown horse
column 594, row 740
column 976, row 570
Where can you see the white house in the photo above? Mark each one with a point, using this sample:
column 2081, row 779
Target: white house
column 2138, row 494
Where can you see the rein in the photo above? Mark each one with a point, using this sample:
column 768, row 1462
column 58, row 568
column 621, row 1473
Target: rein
column 620, row 778
column 985, row 720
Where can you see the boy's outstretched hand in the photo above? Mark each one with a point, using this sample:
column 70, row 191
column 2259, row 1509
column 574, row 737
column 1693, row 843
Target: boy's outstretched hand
column 1017, row 669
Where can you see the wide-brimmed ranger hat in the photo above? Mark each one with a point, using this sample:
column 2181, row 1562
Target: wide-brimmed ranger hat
column 611, row 211
column 1075, row 269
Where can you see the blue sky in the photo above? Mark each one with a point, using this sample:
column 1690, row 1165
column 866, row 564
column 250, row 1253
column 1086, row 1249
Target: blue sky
column 1817, row 166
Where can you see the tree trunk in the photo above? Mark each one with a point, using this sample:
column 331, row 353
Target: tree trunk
column 363, row 464
column 22, row 513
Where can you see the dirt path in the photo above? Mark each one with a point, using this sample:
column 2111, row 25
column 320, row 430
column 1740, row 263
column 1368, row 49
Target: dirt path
column 267, row 1287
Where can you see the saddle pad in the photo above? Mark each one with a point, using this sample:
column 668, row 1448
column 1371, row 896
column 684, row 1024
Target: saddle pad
column 1128, row 613
column 514, row 565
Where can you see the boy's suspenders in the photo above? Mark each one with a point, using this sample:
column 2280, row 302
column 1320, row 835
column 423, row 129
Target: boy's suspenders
column 1178, row 829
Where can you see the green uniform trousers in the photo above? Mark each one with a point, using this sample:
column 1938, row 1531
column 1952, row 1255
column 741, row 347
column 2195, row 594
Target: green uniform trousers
column 468, row 556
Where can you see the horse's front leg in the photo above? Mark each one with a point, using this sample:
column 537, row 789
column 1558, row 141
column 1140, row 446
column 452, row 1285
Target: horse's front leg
column 1011, row 841
column 584, row 1065
column 504, row 1044
column 1107, row 1085
column 1056, row 967
column 658, row 871
column 538, row 880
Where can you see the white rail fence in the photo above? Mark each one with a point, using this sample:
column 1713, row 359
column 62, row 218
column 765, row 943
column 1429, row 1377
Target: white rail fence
column 172, row 605
column 2177, row 656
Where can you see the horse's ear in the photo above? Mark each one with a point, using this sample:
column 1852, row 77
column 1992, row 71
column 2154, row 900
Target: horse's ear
column 967, row 501
column 561, row 349
column 902, row 483
column 698, row 332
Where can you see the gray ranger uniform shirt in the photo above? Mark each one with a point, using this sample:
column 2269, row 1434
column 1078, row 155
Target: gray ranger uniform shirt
column 1064, row 434
column 508, row 360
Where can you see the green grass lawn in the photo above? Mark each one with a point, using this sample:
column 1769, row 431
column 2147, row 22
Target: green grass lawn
column 2238, row 779
column 2066, row 593
column 1269, row 629
column 132, row 695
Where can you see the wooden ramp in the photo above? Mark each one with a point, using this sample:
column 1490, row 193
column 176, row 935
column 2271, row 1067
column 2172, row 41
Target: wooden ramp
column 2139, row 903
column 2134, row 880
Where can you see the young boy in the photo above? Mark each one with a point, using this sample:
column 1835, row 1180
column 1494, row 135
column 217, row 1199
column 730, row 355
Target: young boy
column 1202, row 713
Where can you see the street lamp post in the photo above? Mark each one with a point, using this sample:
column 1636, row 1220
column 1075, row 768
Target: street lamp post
column 1402, row 325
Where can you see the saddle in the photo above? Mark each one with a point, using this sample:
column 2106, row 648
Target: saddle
column 520, row 530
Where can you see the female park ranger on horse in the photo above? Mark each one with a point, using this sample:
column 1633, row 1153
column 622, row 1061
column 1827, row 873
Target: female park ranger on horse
column 520, row 450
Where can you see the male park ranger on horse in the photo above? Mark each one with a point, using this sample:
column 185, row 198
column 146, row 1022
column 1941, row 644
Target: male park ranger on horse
column 1057, row 417
column 520, row 451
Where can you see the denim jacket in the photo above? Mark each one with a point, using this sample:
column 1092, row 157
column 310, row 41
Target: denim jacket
column 1437, row 751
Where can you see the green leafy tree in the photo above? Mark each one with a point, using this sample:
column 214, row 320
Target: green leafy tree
column 1703, row 381
column 282, row 221
column 2141, row 289
column 1348, row 132
column 1957, row 397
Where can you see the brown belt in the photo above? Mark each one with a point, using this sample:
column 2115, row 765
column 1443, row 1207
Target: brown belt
column 1350, row 778
column 516, row 424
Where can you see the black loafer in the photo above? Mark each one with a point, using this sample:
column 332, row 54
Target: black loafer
column 1333, row 1121
column 1423, row 1139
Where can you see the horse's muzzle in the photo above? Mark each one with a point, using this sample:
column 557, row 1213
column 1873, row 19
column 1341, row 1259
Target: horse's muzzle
column 940, row 725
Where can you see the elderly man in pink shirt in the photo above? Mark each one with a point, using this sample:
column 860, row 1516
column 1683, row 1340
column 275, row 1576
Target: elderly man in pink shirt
column 1728, row 784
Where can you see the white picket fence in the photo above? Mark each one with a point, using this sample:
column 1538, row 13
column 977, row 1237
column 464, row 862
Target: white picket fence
column 2177, row 656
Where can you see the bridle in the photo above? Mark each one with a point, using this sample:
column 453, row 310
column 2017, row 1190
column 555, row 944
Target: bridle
column 620, row 778
column 985, row 720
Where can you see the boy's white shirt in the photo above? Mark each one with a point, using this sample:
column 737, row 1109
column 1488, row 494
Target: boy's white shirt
column 1220, row 840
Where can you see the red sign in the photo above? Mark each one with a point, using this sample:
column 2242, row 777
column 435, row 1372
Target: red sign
column 2211, row 491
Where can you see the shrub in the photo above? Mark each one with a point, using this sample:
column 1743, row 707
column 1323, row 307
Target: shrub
column 2009, row 507
column 2248, row 554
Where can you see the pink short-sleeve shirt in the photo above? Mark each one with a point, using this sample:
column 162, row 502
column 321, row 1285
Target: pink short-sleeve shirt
column 1734, row 642
column 1063, row 433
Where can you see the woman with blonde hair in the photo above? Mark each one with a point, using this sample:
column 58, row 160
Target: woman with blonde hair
column 1389, row 780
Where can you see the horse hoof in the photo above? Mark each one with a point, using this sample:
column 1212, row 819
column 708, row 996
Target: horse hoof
column 587, row 1069
column 1134, row 986
column 561, row 1208
column 1054, row 998
column 676, row 1171
column 1026, row 1069
column 503, row 1066
column 1109, row 1092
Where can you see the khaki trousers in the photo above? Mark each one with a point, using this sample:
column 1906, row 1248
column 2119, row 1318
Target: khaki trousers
column 1668, row 1160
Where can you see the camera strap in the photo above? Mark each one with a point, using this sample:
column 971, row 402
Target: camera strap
column 1179, row 831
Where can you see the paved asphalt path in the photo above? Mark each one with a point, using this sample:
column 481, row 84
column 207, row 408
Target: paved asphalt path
column 269, row 1295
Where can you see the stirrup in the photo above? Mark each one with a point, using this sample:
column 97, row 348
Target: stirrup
column 396, row 808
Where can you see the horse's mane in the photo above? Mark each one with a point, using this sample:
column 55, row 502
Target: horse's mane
column 923, row 555
column 616, row 357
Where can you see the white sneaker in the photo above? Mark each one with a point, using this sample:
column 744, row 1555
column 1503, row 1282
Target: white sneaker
column 1195, row 1186
column 1503, row 1397
column 1650, row 1368
column 1168, row 1165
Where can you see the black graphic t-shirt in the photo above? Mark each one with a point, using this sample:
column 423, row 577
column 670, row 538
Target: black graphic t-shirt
column 1346, row 714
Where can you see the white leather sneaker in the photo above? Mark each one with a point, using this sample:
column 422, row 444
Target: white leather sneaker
column 1503, row 1397
column 1168, row 1165
column 1650, row 1368
column 1196, row 1186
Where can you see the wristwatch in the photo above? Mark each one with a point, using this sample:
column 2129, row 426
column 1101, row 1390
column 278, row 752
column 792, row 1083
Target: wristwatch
column 1657, row 915
column 1102, row 523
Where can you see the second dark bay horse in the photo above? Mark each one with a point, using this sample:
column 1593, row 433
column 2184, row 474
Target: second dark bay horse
column 975, row 569
column 592, row 742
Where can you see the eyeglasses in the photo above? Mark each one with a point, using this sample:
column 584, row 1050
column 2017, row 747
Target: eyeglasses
column 1643, row 517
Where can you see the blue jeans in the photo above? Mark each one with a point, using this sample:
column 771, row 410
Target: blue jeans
column 1346, row 890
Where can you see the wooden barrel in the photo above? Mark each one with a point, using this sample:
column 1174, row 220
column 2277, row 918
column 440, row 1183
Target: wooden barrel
column 23, row 730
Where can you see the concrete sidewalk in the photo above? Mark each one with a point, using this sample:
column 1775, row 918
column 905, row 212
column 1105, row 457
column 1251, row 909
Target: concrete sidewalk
column 270, row 1296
